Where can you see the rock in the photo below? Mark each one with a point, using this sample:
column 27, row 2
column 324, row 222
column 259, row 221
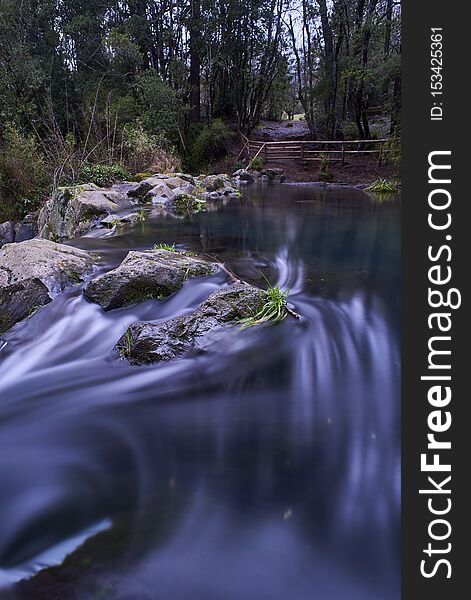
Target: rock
column 186, row 177
column 20, row 300
column 7, row 233
column 159, row 194
column 144, row 187
column 222, row 184
column 244, row 175
column 26, row 229
column 274, row 175
column 150, row 343
column 141, row 276
column 33, row 271
column 117, row 220
column 73, row 211
column 56, row 265
column 186, row 189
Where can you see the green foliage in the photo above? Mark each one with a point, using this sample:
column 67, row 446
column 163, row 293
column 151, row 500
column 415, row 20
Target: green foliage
column 350, row 131
column 103, row 175
column 164, row 246
column 211, row 143
column 324, row 173
column 152, row 151
column 383, row 186
column 256, row 164
column 23, row 176
column 138, row 177
column 184, row 204
column 274, row 308
column 392, row 152
column 159, row 107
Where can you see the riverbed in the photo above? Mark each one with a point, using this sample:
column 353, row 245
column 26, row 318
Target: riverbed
column 269, row 469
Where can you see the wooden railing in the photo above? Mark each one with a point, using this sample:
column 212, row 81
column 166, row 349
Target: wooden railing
column 307, row 150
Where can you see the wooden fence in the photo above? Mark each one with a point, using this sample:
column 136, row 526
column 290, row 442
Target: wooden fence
column 304, row 150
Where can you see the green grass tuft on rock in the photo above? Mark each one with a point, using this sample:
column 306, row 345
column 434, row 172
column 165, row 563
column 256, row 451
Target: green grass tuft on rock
column 163, row 246
column 383, row 186
column 274, row 309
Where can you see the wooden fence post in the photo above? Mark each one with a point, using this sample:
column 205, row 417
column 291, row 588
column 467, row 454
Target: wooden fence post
column 343, row 154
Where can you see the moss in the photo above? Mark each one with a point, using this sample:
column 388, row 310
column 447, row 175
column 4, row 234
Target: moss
column 138, row 177
column 74, row 277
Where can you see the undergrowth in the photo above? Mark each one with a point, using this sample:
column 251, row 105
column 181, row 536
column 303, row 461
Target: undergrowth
column 383, row 186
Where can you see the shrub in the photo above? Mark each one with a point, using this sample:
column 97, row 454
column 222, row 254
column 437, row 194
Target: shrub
column 159, row 107
column 23, row 176
column 256, row 164
column 211, row 143
column 392, row 152
column 103, row 175
column 350, row 131
column 324, row 173
column 142, row 150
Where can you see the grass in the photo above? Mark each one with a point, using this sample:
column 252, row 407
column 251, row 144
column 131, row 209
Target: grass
column 163, row 246
column 383, row 186
column 274, row 308
column 125, row 346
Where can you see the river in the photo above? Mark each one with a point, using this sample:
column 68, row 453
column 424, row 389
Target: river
column 267, row 470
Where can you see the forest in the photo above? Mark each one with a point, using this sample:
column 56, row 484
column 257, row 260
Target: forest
column 97, row 90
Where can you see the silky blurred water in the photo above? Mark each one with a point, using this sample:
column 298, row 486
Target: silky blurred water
column 266, row 470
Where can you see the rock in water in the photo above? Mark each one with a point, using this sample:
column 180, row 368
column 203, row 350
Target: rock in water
column 19, row 300
column 154, row 274
column 31, row 272
column 72, row 211
column 150, row 343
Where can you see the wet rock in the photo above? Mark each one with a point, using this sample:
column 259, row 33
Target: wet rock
column 199, row 331
column 146, row 185
column 154, row 274
column 7, row 233
column 72, row 211
column 33, row 271
column 160, row 194
column 26, row 229
column 20, row 300
column 222, row 184
column 244, row 176
column 56, row 265
column 119, row 220
column 274, row 175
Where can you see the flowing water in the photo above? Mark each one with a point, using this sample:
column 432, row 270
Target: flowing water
column 267, row 470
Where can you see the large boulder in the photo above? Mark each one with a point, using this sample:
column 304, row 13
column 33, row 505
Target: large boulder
column 145, row 343
column 243, row 176
column 27, row 228
column 217, row 185
column 19, row 300
column 141, row 190
column 72, row 211
column 33, row 271
column 7, row 233
column 153, row 274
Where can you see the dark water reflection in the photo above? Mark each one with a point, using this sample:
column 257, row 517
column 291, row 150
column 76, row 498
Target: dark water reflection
column 268, row 470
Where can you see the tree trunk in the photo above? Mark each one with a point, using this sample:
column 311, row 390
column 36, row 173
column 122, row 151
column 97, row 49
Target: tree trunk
column 195, row 62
